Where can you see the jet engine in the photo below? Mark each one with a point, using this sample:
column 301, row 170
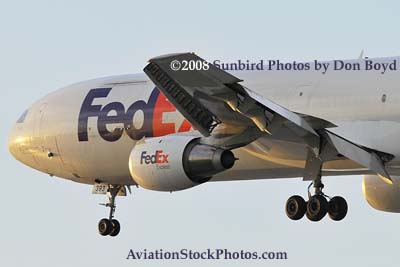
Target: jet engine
column 176, row 162
column 382, row 195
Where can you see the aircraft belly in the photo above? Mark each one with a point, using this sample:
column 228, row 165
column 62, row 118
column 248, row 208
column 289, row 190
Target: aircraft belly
column 267, row 159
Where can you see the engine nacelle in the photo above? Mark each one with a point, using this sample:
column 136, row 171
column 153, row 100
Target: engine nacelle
column 382, row 195
column 176, row 162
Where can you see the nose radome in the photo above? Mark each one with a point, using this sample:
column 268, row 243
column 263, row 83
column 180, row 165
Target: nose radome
column 13, row 142
column 18, row 143
column 18, row 137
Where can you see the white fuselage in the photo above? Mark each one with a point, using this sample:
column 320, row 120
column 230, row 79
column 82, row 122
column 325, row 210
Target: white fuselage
column 62, row 136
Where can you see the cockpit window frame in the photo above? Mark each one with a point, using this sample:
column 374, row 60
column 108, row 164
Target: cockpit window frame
column 21, row 119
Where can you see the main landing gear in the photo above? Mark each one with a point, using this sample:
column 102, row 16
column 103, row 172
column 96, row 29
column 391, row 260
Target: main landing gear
column 110, row 226
column 317, row 206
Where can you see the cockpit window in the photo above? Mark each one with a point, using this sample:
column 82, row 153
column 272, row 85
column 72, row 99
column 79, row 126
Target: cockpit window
column 22, row 118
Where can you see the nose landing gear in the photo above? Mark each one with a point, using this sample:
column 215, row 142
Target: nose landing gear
column 110, row 226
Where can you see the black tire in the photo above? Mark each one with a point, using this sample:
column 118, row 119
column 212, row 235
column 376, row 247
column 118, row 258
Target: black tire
column 116, row 227
column 337, row 208
column 317, row 207
column 295, row 207
column 105, row 227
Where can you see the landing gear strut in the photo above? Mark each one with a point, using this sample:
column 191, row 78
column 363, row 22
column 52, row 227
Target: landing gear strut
column 317, row 206
column 110, row 226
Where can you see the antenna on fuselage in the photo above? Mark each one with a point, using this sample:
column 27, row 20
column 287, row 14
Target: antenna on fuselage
column 361, row 54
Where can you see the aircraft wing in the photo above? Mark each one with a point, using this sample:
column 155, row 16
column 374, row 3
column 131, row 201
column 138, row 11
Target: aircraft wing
column 230, row 115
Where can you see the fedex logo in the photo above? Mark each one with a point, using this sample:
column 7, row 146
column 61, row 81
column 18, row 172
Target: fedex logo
column 157, row 158
column 116, row 113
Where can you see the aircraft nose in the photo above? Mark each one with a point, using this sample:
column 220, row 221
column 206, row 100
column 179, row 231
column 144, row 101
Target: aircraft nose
column 20, row 146
column 14, row 142
column 19, row 143
column 18, row 138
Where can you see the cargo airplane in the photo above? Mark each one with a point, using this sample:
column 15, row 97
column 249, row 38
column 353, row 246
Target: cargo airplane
column 186, row 122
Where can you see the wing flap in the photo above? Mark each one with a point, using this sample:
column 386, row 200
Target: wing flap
column 363, row 156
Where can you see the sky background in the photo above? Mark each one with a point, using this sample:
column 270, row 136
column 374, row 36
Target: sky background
column 45, row 45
